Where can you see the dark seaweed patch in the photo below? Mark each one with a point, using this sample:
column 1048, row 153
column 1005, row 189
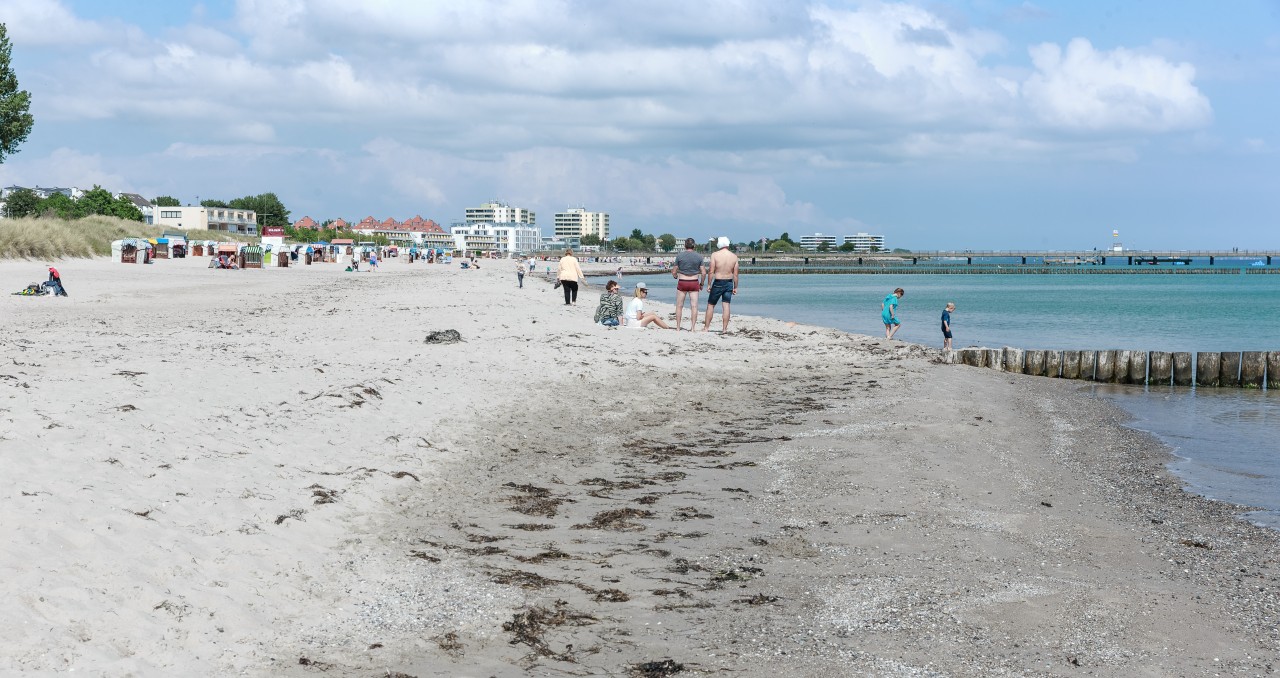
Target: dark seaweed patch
column 617, row 520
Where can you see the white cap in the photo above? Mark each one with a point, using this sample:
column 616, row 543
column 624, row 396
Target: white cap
column 722, row 243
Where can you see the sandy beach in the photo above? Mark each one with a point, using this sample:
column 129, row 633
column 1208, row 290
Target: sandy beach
column 272, row 473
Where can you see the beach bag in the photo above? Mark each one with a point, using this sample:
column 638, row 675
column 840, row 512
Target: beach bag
column 556, row 286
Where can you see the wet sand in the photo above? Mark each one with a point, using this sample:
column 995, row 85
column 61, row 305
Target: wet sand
column 270, row 473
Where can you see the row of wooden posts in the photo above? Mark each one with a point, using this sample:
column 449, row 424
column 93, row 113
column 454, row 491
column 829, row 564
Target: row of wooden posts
column 1244, row 369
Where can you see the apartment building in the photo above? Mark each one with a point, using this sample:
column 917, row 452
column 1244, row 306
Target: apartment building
column 866, row 242
column 499, row 213
column 229, row 219
column 577, row 222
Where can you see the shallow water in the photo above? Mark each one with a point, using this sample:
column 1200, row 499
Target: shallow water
column 1227, row 440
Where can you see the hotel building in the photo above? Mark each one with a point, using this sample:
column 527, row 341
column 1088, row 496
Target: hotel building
column 577, row 222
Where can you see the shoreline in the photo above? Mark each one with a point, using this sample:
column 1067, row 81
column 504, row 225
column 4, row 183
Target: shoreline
column 785, row 499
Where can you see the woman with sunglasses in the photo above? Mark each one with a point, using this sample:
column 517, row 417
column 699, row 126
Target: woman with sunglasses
column 639, row 318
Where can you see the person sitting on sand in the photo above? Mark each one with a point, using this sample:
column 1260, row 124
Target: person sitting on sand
column 609, row 312
column 639, row 318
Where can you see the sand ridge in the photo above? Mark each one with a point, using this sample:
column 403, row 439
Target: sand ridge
column 269, row 473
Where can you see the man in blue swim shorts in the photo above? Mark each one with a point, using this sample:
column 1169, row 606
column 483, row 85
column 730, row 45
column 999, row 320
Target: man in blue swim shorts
column 723, row 274
column 889, row 313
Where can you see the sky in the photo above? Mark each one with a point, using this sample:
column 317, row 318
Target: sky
column 966, row 124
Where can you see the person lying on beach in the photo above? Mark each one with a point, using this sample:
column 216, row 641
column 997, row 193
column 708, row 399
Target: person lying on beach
column 609, row 312
column 639, row 318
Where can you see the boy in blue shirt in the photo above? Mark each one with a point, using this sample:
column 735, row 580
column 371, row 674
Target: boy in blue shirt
column 946, row 326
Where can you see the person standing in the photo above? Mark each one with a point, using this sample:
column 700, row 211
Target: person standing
column 723, row 276
column 689, row 272
column 570, row 274
column 520, row 271
column 373, row 261
column 889, row 313
column 946, row 326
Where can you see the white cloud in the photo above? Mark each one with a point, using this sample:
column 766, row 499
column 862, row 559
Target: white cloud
column 47, row 22
column 64, row 167
column 1082, row 88
column 653, row 109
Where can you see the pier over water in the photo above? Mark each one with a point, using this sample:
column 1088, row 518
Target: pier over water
column 1018, row 261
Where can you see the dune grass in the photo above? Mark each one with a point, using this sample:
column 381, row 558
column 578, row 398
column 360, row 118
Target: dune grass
column 52, row 238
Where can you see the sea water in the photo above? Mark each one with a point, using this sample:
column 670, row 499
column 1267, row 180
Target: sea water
column 1226, row 441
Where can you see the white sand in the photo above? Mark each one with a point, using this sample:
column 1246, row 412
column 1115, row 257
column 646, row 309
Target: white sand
column 268, row 473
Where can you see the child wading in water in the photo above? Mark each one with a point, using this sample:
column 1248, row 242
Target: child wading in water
column 946, row 326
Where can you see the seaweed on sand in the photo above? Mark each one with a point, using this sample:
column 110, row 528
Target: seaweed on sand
column 619, row 520
column 528, row 626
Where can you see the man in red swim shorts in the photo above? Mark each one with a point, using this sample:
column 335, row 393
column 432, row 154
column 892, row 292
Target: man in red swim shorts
column 689, row 272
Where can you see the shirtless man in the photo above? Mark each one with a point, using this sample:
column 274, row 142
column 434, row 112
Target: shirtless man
column 689, row 272
column 723, row 276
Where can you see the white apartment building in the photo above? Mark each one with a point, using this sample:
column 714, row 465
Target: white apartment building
column 229, row 219
column 577, row 222
column 813, row 242
column 503, row 238
column 500, row 213
column 865, row 242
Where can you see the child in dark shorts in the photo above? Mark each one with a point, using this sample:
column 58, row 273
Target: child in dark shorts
column 946, row 325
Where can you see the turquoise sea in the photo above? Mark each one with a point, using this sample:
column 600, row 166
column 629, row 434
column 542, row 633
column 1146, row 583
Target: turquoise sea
column 1227, row 441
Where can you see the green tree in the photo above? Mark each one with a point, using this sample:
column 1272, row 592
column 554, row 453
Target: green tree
column 650, row 242
column 59, row 205
column 270, row 211
column 166, row 201
column 667, row 241
column 847, row 247
column 824, row 246
column 96, row 201
column 15, row 104
column 590, row 239
column 637, row 234
column 623, row 244
column 786, row 237
column 22, row 202
column 125, row 209
column 781, row 245
column 214, row 203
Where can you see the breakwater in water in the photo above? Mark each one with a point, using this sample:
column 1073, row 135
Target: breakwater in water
column 1011, row 269
column 1234, row 369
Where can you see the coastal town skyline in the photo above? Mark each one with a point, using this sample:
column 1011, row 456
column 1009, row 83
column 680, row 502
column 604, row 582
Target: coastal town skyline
column 964, row 124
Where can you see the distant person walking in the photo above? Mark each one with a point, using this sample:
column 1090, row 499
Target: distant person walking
column 889, row 313
column 570, row 274
column 689, row 273
column 946, row 326
column 373, row 261
column 520, row 271
column 723, row 276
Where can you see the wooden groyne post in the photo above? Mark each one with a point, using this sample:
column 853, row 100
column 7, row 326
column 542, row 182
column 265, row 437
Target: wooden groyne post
column 1206, row 369
column 1161, row 371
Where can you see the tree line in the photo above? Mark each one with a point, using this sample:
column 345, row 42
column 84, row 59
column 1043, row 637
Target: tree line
column 24, row 202
column 639, row 241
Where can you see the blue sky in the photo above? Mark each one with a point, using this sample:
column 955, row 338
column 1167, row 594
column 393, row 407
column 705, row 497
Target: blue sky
column 978, row 124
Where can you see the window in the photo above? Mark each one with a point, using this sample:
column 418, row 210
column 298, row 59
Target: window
column 170, row 214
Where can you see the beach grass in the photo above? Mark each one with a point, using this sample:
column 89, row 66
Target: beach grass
column 53, row 238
